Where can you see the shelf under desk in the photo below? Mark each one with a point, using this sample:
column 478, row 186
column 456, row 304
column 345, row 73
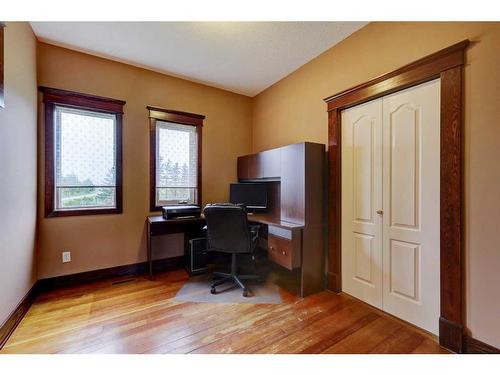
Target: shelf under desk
column 157, row 226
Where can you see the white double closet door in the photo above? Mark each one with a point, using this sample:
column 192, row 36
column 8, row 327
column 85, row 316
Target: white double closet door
column 390, row 203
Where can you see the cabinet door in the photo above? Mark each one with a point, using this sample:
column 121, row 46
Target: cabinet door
column 270, row 163
column 266, row 164
column 249, row 167
column 243, row 167
column 254, row 166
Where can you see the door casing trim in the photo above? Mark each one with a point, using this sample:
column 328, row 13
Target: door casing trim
column 446, row 64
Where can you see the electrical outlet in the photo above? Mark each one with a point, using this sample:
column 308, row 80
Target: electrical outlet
column 66, row 256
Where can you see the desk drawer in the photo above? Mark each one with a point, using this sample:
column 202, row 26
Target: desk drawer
column 283, row 251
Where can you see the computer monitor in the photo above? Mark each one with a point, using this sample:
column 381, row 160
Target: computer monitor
column 252, row 195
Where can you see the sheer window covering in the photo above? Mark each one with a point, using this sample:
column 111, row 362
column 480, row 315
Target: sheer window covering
column 176, row 163
column 85, row 159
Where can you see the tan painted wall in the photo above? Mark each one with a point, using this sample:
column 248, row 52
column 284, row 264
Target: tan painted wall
column 18, row 132
column 104, row 241
column 292, row 110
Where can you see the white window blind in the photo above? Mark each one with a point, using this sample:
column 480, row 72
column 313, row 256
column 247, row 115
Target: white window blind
column 85, row 159
column 176, row 163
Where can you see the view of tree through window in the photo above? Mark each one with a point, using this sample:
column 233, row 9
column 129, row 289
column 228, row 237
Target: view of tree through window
column 177, row 163
column 85, row 159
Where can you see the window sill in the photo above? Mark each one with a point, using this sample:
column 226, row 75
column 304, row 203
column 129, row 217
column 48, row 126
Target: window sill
column 159, row 208
column 84, row 212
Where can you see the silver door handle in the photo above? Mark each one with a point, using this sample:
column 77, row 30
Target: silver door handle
column 380, row 212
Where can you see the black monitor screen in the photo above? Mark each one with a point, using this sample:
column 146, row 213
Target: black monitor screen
column 252, row 195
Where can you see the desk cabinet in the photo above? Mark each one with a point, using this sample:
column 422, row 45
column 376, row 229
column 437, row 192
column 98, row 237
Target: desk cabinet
column 285, row 251
column 157, row 226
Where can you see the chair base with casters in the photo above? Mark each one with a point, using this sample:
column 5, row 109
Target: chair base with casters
column 233, row 276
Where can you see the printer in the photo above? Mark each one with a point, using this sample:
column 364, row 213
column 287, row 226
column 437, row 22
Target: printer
column 181, row 211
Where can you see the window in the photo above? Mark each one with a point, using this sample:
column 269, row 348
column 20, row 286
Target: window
column 176, row 163
column 175, row 157
column 82, row 154
column 85, row 159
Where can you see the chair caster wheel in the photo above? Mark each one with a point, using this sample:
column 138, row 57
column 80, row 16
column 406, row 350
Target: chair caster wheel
column 245, row 293
column 212, row 290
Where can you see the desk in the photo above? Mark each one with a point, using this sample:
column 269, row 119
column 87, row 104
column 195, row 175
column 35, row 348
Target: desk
column 273, row 220
column 282, row 239
column 158, row 226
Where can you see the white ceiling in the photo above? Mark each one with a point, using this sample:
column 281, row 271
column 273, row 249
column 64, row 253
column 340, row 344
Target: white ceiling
column 243, row 57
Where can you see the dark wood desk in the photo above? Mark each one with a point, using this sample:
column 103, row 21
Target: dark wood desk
column 158, row 226
column 281, row 239
column 273, row 220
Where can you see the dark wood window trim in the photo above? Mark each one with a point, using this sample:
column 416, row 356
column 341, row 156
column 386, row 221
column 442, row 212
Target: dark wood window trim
column 447, row 65
column 53, row 97
column 2, row 65
column 169, row 115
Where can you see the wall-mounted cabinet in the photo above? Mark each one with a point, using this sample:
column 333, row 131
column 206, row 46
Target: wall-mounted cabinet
column 265, row 164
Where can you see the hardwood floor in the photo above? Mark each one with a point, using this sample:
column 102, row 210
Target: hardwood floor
column 140, row 316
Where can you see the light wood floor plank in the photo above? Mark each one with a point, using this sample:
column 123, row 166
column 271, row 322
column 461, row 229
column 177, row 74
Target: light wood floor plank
column 137, row 315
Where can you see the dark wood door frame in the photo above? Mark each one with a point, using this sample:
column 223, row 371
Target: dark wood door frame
column 446, row 64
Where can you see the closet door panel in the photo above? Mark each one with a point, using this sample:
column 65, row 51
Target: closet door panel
column 361, row 199
column 411, row 132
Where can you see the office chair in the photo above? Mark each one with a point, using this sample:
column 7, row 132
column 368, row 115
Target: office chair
column 228, row 231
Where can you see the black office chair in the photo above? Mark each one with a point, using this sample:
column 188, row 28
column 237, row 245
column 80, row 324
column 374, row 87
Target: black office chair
column 228, row 231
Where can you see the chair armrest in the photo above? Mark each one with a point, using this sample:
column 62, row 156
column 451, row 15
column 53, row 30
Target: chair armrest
column 254, row 233
column 254, row 227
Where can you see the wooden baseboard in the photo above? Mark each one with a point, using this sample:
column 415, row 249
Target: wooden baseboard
column 168, row 264
column 450, row 335
column 474, row 346
column 17, row 315
column 43, row 285
column 333, row 282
